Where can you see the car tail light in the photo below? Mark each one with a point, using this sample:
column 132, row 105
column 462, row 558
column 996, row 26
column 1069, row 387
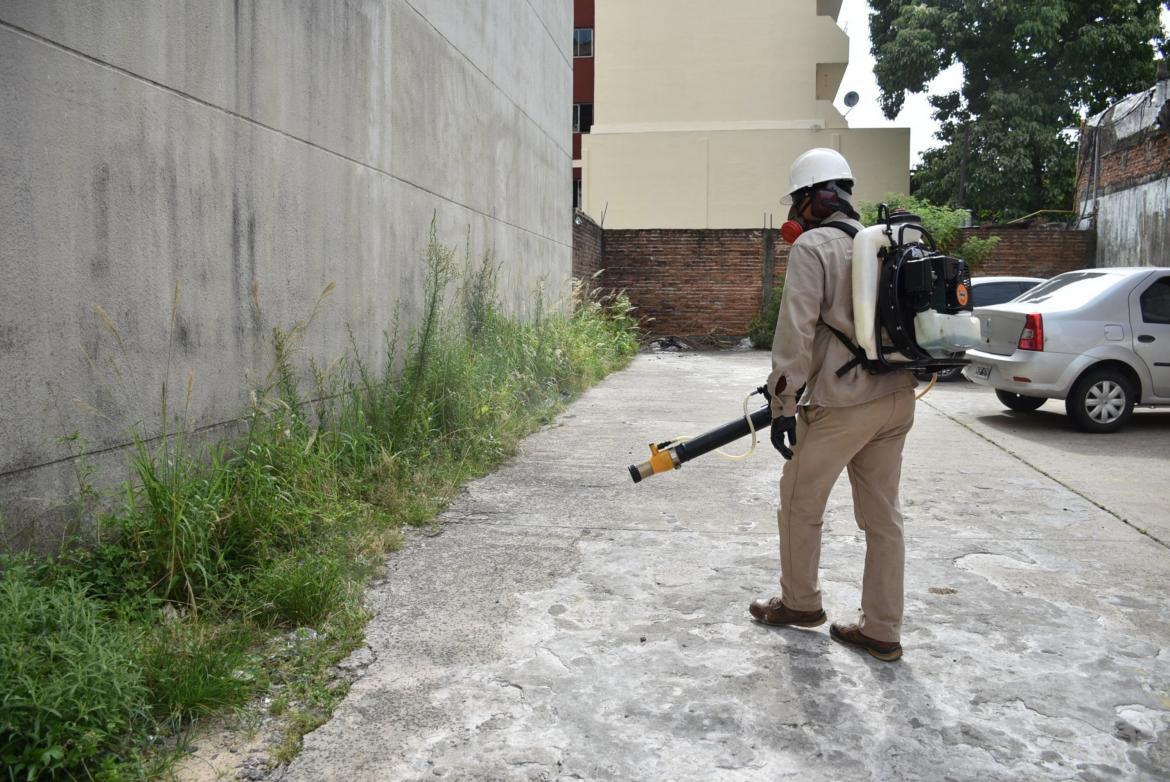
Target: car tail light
column 1032, row 337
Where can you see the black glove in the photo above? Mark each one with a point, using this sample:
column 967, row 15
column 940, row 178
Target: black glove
column 781, row 425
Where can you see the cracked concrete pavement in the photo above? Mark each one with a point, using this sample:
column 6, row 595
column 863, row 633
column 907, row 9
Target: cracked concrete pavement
column 567, row 624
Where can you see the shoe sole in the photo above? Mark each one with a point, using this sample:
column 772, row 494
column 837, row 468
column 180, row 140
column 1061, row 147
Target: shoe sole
column 887, row 657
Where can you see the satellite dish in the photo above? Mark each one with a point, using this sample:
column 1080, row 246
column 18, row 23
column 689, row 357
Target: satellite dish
column 851, row 99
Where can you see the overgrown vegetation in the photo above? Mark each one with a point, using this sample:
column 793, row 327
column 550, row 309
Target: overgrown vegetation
column 762, row 327
column 185, row 607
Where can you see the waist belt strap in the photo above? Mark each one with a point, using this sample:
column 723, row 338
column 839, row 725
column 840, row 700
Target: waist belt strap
column 859, row 357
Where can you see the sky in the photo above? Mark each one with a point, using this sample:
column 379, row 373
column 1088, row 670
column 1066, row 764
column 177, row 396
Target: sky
column 916, row 114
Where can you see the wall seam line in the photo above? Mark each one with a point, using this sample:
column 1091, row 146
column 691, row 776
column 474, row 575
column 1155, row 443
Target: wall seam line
column 490, row 80
column 4, row 25
column 550, row 35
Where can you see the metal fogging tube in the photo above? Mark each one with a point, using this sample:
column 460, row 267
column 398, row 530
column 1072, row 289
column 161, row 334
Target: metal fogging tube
column 663, row 459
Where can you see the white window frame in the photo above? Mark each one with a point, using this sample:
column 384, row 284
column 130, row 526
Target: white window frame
column 591, row 43
column 577, row 117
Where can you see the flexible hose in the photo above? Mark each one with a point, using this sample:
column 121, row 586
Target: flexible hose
column 735, row 457
column 930, row 385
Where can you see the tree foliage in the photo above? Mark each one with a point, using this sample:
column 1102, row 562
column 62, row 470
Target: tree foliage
column 941, row 222
column 1032, row 70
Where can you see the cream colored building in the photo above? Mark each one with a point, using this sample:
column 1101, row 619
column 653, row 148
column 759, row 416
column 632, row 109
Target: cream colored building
column 700, row 107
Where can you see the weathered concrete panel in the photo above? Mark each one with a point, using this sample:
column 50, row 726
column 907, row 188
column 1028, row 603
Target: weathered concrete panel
column 1132, row 226
column 217, row 147
column 313, row 70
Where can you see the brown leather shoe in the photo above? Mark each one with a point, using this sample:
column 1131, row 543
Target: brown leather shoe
column 773, row 612
column 852, row 635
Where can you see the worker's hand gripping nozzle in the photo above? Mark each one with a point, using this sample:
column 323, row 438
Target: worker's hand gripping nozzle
column 672, row 454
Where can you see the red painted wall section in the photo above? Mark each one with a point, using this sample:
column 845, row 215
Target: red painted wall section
column 582, row 80
column 582, row 13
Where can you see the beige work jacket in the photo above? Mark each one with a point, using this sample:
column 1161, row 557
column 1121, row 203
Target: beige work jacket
column 818, row 289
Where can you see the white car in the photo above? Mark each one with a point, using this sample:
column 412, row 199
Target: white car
column 1097, row 338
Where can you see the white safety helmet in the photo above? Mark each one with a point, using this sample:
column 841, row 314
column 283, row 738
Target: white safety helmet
column 817, row 165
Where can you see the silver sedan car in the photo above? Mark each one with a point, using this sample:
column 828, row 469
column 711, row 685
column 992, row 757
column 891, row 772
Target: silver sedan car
column 1097, row 338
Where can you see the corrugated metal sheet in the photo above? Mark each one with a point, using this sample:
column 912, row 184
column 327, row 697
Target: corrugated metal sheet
column 1133, row 114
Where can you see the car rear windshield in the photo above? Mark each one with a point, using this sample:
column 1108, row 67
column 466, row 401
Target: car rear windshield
column 1071, row 287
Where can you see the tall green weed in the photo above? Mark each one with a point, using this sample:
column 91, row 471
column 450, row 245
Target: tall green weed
column 215, row 548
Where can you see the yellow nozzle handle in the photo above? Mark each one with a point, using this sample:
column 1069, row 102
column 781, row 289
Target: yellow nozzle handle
column 660, row 461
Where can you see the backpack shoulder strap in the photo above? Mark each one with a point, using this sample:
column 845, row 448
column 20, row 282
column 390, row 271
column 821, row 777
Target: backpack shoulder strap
column 844, row 227
column 859, row 357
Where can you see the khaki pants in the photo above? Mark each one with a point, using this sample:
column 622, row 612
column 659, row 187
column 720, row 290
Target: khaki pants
column 868, row 439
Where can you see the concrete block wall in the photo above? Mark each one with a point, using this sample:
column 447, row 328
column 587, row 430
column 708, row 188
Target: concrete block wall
column 177, row 179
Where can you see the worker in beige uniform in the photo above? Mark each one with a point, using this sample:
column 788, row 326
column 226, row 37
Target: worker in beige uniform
column 857, row 421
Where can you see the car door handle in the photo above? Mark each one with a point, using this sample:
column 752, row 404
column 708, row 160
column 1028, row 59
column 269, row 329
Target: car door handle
column 1145, row 337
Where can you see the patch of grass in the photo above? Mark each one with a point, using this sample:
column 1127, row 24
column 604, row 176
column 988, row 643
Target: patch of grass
column 195, row 667
column 300, row 589
column 184, row 607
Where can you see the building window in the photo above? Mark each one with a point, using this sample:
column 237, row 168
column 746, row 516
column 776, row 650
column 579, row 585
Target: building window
column 582, row 117
column 583, row 42
column 576, row 193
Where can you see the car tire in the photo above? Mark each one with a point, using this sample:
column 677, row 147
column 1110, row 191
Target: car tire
column 1100, row 401
column 1019, row 402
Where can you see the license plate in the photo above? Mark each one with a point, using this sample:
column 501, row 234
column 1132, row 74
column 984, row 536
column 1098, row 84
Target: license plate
column 982, row 371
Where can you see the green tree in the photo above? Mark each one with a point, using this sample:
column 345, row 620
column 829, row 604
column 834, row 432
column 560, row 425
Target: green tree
column 1032, row 70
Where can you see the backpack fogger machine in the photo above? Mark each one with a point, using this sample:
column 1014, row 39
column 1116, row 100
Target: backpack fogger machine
column 911, row 310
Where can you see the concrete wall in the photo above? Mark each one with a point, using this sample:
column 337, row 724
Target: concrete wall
column 213, row 147
column 701, row 107
column 1133, row 226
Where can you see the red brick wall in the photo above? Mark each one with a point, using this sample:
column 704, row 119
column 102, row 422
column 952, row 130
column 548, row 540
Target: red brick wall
column 1033, row 252
column 696, row 282
column 1123, row 163
column 588, row 241
column 691, row 282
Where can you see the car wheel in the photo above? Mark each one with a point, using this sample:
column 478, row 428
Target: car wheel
column 1100, row 401
column 1019, row 402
